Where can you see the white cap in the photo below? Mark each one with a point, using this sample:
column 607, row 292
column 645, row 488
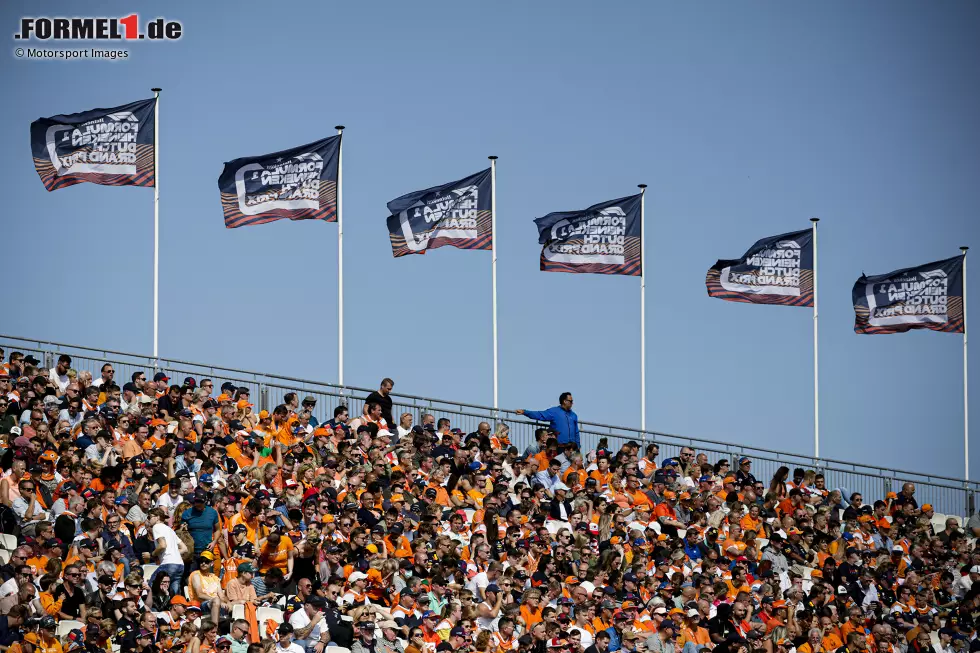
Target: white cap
column 975, row 569
column 559, row 486
column 660, row 610
column 384, row 432
column 587, row 586
column 693, row 613
column 356, row 576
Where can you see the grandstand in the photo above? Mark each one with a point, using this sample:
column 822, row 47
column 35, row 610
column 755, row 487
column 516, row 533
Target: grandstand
column 948, row 495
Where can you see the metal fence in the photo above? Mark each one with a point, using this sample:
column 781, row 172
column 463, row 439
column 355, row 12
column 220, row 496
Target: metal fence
column 948, row 495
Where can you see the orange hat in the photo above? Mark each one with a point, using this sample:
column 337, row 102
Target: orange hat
column 891, row 495
column 371, row 548
column 662, row 537
column 729, row 479
column 33, row 638
column 397, row 497
column 263, row 414
column 794, row 531
column 615, row 539
column 572, row 580
column 669, row 494
column 48, row 456
column 319, row 432
column 224, row 397
column 868, row 519
column 816, row 573
column 926, row 506
column 685, row 496
column 178, row 599
column 628, row 605
column 242, row 403
column 675, row 611
column 778, row 604
column 327, row 519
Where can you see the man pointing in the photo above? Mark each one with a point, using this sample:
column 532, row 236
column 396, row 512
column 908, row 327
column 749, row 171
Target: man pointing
column 561, row 418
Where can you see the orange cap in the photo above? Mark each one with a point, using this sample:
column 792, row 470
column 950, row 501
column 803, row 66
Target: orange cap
column 926, row 506
column 157, row 422
column 263, row 414
column 223, row 397
column 729, row 479
column 243, row 404
column 669, row 494
column 327, row 519
column 891, row 495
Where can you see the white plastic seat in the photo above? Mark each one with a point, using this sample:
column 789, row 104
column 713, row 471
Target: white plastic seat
column 148, row 571
column 8, row 541
column 66, row 626
column 4, row 556
column 238, row 612
column 264, row 614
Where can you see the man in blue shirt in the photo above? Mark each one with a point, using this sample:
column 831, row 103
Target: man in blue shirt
column 202, row 522
column 561, row 418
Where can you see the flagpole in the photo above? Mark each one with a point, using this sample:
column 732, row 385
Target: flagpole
column 816, row 358
column 493, row 264
column 156, row 223
column 340, row 257
column 966, row 401
column 643, row 314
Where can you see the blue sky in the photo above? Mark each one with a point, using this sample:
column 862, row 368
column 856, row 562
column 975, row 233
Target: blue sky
column 745, row 119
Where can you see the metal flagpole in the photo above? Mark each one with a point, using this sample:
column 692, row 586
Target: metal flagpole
column 643, row 314
column 816, row 358
column 156, row 223
column 493, row 264
column 340, row 257
column 966, row 400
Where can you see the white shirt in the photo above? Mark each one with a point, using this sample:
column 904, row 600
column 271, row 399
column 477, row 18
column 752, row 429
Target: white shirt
column 479, row 581
column 60, row 381
column 292, row 648
column 587, row 638
column 170, row 503
column 301, row 620
column 171, row 555
column 402, row 432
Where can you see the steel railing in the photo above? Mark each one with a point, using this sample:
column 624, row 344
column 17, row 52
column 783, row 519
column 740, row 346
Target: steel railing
column 947, row 494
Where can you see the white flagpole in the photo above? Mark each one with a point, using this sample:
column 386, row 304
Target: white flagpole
column 156, row 223
column 340, row 258
column 493, row 264
column 643, row 313
column 966, row 400
column 816, row 358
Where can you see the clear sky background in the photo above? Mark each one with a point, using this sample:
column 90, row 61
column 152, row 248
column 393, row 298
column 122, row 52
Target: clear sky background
column 745, row 119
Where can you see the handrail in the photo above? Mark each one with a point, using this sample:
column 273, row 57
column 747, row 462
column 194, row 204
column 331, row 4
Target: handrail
column 647, row 435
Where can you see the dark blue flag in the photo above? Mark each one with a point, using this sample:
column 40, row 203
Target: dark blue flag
column 456, row 214
column 112, row 147
column 299, row 184
column 776, row 270
column 925, row 297
column 602, row 239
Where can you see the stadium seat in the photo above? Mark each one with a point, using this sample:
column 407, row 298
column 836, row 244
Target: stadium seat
column 148, row 571
column 66, row 626
column 238, row 612
column 469, row 512
column 264, row 614
column 554, row 525
column 8, row 541
column 4, row 556
column 336, row 649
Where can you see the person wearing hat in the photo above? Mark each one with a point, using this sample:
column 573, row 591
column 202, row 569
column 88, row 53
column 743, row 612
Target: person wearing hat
column 202, row 521
column 285, row 643
column 205, row 586
column 364, row 641
column 239, row 590
column 309, row 625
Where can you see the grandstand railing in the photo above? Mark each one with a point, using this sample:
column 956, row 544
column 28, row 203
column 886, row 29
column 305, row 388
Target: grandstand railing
column 948, row 495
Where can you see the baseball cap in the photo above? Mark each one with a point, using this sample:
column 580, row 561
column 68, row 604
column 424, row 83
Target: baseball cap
column 160, row 376
column 246, row 568
column 457, row 632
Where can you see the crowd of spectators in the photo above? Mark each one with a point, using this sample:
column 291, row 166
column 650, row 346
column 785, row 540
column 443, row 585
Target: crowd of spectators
column 152, row 514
